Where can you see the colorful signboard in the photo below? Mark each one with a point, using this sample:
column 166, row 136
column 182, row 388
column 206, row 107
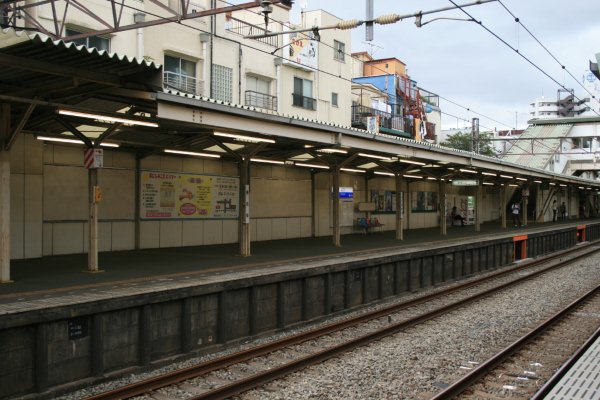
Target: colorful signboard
column 167, row 195
column 301, row 50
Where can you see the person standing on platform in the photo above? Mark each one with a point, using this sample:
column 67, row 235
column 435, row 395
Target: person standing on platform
column 554, row 210
column 563, row 211
column 516, row 209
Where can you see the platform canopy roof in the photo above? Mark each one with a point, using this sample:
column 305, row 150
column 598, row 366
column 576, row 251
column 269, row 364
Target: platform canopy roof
column 60, row 90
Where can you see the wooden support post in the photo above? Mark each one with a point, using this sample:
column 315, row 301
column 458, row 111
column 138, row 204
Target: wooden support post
column 442, row 191
column 335, row 195
column 4, row 195
column 503, row 206
column 93, row 222
column 399, row 216
column 244, row 217
column 478, row 205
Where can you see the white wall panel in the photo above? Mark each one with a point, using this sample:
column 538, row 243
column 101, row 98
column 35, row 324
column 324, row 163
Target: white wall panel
column 122, row 236
column 293, row 228
column 305, row 226
column 47, row 236
column 65, row 193
column 230, row 231
column 170, row 233
column 68, row 238
column 193, row 233
column 264, row 229
column 149, row 234
column 118, row 187
column 70, row 155
column 279, row 228
column 33, row 216
column 104, row 236
column 17, row 183
column 213, row 231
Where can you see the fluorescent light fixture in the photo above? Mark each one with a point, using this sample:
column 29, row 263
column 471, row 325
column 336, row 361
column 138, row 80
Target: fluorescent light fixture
column 243, row 138
column 580, row 187
column 63, row 140
column 125, row 121
column 589, row 188
column 352, row 170
column 506, row 176
column 512, row 184
column 451, row 168
column 374, row 156
column 469, row 171
column 431, row 178
column 312, row 165
column 74, row 141
column 488, row 183
column 521, row 179
column 411, row 162
column 537, row 181
column 262, row 160
column 192, row 153
column 383, row 173
column 552, row 183
column 563, row 185
column 489, row 174
column 332, row 151
column 413, row 176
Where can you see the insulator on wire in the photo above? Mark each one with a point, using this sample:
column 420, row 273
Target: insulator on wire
column 349, row 24
column 387, row 19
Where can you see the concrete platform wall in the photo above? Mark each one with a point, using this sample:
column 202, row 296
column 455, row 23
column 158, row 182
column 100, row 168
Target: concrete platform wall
column 49, row 205
column 51, row 347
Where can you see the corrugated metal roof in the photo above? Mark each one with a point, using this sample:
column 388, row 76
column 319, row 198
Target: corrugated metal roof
column 537, row 153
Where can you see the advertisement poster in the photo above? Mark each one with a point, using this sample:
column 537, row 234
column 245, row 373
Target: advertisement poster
column 166, row 195
column 424, row 201
column 385, row 201
column 300, row 50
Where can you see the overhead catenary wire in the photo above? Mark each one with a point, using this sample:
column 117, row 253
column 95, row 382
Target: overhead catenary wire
column 390, row 18
column 518, row 20
column 516, row 51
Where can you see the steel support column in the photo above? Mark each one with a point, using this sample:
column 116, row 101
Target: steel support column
column 478, row 205
column 442, row 191
column 93, row 222
column 244, row 217
column 4, row 195
column 399, row 216
column 503, row 206
column 335, row 196
column 525, row 204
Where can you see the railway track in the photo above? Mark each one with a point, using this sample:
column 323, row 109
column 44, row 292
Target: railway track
column 233, row 374
column 519, row 369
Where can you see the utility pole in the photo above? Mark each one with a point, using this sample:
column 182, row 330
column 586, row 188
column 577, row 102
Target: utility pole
column 475, row 133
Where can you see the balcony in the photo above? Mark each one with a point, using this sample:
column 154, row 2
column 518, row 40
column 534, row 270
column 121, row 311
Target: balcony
column 386, row 120
column 183, row 83
column 244, row 28
column 261, row 100
column 305, row 102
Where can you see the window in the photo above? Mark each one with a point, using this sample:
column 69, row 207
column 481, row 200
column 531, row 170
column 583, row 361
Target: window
column 96, row 42
column 221, row 79
column 180, row 74
column 258, row 93
column 334, row 99
column 302, row 96
column 339, row 50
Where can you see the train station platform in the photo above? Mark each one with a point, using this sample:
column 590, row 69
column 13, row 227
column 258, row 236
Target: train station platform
column 49, row 277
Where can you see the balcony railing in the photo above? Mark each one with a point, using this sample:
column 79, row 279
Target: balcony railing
column 183, row 83
column 261, row 100
column 244, row 28
column 304, row 102
column 386, row 120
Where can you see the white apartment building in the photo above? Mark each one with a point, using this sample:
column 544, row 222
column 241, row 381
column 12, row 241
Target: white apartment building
column 295, row 74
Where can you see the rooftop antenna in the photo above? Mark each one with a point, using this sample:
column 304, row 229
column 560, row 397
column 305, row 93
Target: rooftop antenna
column 371, row 45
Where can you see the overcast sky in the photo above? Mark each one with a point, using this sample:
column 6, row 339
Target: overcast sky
column 465, row 64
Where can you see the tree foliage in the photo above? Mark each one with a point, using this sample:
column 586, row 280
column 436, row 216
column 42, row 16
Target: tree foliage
column 462, row 141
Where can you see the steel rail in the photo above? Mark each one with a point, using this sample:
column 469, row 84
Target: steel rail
column 562, row 371
column 144, row 386
column 485, row 368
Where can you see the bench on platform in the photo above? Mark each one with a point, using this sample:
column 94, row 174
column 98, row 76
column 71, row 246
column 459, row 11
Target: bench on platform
column 368, row 224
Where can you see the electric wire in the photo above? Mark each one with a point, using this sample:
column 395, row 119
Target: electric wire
column 516, row 51
column 518, row 20
column 287, row 25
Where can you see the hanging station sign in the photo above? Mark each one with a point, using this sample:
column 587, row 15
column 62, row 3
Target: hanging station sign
column 465, row 182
